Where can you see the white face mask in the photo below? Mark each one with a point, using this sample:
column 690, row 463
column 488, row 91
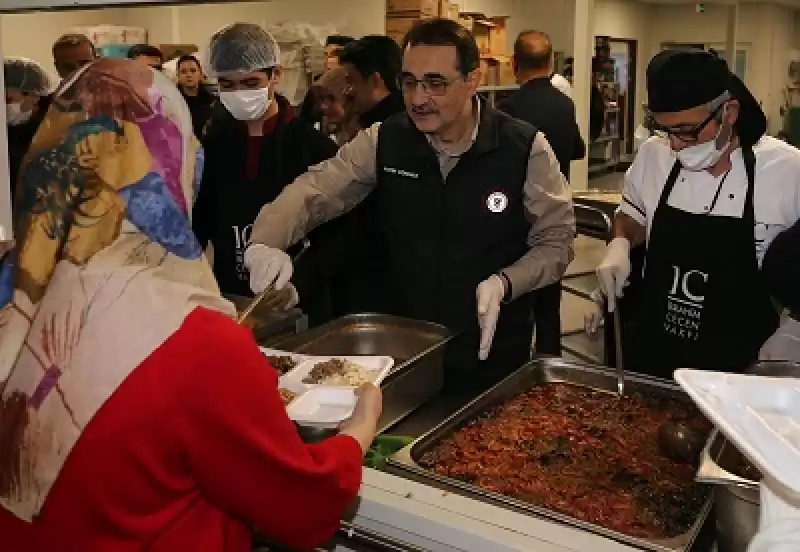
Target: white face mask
column 15, row 116
column 246, row 105
column 701, row 157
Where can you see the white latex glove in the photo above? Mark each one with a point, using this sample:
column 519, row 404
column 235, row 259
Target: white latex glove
column 779, row 522
column 281, row 300
column 490, row 293
column 613, row 272
column 784, row 343
column 267, row 265
column 593, row 320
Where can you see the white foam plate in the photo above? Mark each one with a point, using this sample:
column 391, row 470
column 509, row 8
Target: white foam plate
column 323, row 407
column 759, row 415
column 275, row 352
column 377, row 366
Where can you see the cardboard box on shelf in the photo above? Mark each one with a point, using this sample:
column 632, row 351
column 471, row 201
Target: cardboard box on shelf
column 485, row 72
column 449, row 10
column 489, row 32
column 397, row 27
column 505, row 73
column 412, row 8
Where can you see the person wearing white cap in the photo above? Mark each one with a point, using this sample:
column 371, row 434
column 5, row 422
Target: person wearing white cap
column 254, row 147
column 27, row 87
column 706, row 196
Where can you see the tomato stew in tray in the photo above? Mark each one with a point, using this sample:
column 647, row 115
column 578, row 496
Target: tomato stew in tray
column 587, row 454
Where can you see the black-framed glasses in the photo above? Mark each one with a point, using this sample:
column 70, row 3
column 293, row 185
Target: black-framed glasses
column 435, row 85
column 687, row 133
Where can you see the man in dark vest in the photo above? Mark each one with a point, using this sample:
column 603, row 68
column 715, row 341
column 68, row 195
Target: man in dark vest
column 475, row 211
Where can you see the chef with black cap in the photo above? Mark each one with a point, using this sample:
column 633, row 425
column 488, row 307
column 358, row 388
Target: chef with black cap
column 706, row 194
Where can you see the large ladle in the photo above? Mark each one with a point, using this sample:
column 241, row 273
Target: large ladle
column 681, row 442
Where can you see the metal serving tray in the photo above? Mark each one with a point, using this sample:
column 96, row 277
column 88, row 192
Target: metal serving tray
column 416, row 346
column 536, row 373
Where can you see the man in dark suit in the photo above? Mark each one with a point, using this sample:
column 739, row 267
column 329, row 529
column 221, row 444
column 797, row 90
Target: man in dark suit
column 541, row 104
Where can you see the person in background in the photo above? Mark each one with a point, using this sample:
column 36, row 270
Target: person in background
column 542, row 105
column 198, row 98
column 373, row 65
column 333, row 44
column 309, row 110
column 597, row 105
column 707, row 195
column 28, row 88
column 339, row 117
column 253, row 150
column 85, row 444
column 71, row 52
column 147, row 54
column 781, row 270
column 474, row 209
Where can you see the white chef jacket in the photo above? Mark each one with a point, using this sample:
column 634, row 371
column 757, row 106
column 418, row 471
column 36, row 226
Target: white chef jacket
column 776, row 197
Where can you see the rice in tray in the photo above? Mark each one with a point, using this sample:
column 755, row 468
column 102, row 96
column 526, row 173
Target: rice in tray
column 339, row 372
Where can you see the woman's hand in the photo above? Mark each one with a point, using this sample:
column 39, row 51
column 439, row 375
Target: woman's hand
column 363, row 423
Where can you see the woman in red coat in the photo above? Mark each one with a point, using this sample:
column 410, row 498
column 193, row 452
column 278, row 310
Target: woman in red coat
column 135, row 413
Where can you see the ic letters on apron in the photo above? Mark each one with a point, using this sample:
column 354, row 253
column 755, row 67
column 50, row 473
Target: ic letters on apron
column 703, row 303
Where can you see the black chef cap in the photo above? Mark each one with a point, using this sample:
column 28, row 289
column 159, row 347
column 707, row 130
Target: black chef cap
column 683, row 79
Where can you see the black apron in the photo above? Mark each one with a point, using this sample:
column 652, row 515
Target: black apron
column 704, row 304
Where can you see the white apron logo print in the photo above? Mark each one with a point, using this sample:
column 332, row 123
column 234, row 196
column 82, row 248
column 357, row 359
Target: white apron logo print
column 400, row 172
column 685, row 303
column 497, row 202
column 241, row 237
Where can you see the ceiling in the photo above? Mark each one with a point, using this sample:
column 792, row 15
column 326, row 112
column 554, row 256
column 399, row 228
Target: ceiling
column 789, row 3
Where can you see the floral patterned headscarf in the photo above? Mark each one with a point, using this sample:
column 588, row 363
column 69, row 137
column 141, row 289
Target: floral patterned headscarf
column 106, row 266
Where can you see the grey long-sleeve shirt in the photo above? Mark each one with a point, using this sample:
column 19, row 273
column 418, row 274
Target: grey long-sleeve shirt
column 334, row 187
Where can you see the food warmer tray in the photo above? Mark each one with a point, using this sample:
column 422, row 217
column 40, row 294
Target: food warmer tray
column 539, row 372
column 268, row 326
column 416, row 346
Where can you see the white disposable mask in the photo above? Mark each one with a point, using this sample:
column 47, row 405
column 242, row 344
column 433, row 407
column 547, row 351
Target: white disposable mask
column 701, row 157
column 15, row 116
column 246, row 105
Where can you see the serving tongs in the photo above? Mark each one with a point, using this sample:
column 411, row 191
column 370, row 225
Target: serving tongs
column 260, row 297
column 618, row 350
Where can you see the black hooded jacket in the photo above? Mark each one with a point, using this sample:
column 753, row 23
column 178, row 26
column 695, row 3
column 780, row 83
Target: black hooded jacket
column 244, row 173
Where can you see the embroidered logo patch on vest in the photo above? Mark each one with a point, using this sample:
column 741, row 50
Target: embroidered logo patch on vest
column 400, row 172
column 497, row 202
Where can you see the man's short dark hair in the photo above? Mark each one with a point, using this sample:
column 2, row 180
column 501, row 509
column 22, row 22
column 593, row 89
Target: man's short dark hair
column 146, row 50
column 446, row 32
column 375, row 54
column 71, row 40
column 339, row 40
column 188, row 57
column 532, row 57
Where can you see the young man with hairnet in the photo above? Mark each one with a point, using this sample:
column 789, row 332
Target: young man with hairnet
column 254, row 147
column 706, row 195
column 27, row 99
column 474, row 208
